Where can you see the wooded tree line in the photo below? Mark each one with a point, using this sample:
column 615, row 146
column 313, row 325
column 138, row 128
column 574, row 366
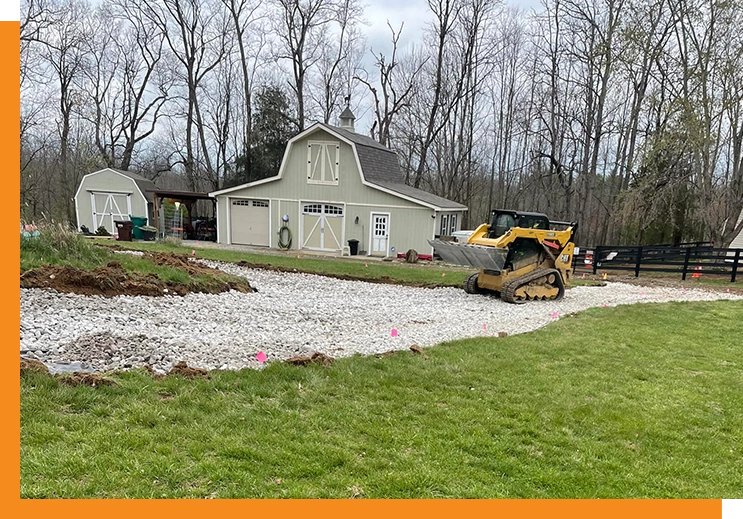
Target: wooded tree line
column 623, row 115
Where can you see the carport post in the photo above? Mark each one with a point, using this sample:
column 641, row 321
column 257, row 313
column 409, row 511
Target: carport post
column 156, row 215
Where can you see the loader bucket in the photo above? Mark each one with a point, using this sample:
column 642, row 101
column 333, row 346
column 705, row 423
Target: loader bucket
column 484, row 258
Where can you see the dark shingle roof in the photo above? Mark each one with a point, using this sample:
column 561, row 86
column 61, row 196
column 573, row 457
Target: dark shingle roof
column 380, row 166
column 357, row 138
column 144, row 184
column 347, row 114
column 423, row 196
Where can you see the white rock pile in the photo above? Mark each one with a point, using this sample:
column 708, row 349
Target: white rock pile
column 290, row 314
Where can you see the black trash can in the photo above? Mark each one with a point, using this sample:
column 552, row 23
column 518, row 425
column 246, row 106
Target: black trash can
column 353, row 247
column 124, row 230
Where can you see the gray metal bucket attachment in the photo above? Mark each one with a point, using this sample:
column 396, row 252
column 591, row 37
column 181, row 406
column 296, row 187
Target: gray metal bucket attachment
column 484, row 258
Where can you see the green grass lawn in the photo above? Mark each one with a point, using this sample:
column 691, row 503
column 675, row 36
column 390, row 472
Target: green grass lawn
column 422, row 273
column 633, row 401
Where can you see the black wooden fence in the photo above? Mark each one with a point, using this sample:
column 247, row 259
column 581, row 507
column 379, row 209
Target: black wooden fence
column 685, row 259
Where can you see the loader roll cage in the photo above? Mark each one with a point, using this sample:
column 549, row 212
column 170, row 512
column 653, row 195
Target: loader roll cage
column 504, row 219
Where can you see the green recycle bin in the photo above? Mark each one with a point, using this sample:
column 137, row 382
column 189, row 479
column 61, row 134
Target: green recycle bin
column 138, row 221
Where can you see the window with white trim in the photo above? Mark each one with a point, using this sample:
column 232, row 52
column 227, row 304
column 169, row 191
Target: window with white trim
column 312, row 209
column 323, row 162
column 335, row 210
column 453, row 224
column 444, row 225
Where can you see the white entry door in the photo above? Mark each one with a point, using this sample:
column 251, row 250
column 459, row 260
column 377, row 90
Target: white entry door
column 380, row 229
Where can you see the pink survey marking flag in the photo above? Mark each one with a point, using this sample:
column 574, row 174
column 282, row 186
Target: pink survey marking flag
column 261, row 357
column 394, row 332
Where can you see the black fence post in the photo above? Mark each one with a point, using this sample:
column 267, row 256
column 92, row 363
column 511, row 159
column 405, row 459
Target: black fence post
column 735, row 265
column 596, row 256
column 637, row 262
column 686, row 263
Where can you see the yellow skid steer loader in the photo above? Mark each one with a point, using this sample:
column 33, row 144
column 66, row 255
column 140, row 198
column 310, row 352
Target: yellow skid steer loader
column 521, row 256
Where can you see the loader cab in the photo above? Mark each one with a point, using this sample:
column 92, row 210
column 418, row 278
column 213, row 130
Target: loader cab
column 503, row 220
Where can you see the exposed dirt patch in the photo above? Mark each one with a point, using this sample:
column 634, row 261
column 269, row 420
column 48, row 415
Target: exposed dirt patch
column 154, row 374
column 80, row 378
column 184, row 370
column 384, row 280
column 33, row 366
column 113, row 280
column 316, row 358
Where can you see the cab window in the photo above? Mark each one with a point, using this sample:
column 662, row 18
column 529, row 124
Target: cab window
column 502, row 223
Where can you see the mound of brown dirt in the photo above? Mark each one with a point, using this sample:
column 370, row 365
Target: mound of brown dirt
column 33, row 366
column 80, row 378
column 316, row 358
column 184, row 370
column 194, row 269
column 113, row 280
column 153, row 373
column 167, row 259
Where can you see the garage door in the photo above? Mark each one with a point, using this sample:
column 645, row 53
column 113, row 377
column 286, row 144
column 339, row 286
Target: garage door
column 249, row 222
column 322, row 226
column 109, row 207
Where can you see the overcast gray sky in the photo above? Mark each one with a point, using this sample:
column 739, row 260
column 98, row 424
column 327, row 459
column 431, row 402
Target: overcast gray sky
column 414, row 13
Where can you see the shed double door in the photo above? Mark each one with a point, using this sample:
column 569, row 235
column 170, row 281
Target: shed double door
column 108, row 208
column 322, row 226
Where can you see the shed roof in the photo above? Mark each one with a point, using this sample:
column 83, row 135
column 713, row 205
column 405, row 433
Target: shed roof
column 146, row 186
column 380, row 166
column 423, row 196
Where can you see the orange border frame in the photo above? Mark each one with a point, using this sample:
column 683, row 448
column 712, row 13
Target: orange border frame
column 10, row 262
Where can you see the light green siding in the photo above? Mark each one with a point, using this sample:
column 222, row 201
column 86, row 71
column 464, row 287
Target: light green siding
column 107, row 181
column 411, row 224
column 409, row 228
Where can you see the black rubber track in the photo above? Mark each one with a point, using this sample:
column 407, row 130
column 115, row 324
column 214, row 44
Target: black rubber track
column 470, row 284
column 508, row 292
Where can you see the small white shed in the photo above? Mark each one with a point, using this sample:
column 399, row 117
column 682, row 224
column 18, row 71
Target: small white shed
column 110, row 194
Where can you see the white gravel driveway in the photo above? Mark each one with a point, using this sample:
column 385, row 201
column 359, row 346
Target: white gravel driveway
column 291, row 314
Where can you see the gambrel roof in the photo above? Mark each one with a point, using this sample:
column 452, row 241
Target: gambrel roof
column 145, row 185
column 379, row 167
